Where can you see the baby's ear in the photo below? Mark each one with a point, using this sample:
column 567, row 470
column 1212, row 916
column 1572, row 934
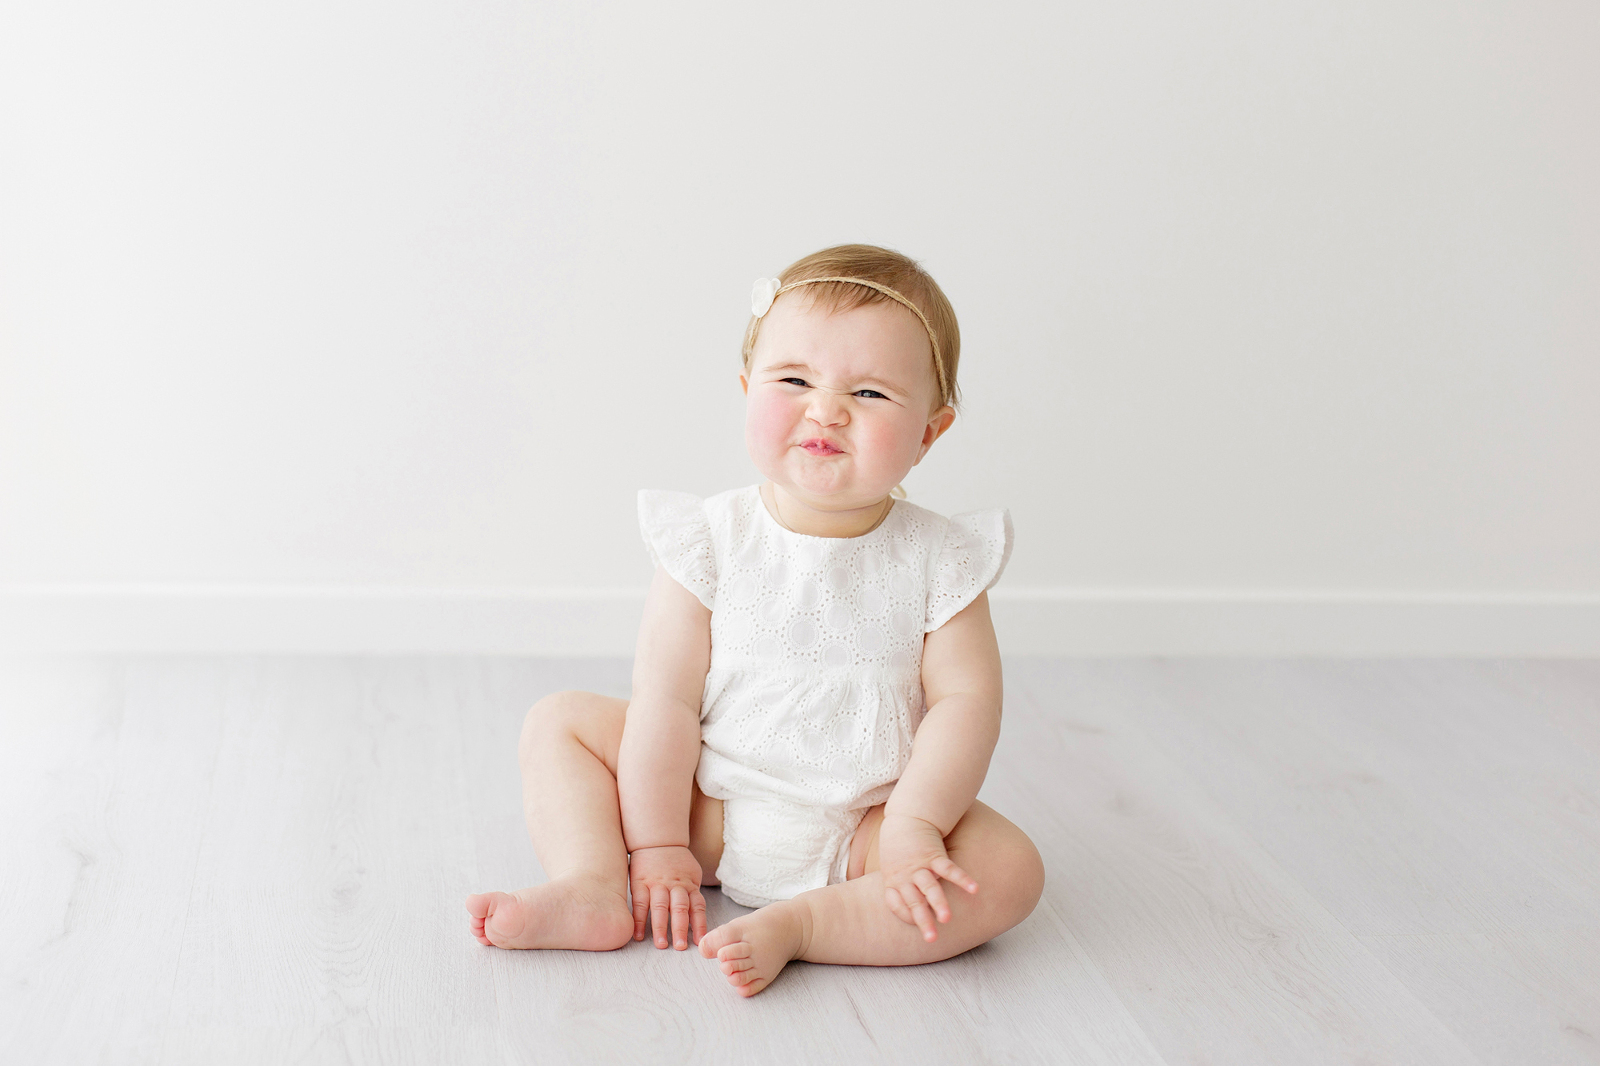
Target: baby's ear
column 744, row 383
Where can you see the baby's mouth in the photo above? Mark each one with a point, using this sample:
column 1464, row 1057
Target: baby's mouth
column 818, row 446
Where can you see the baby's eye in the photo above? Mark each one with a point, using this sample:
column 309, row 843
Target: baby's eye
column 793, row 381
column 872, row 393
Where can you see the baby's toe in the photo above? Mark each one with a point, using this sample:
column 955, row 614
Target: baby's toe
column 713, row 942
column 739, row 949
column 731, row 966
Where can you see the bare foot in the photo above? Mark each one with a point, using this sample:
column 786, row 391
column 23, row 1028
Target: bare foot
column 752, row 950
column 571, row 913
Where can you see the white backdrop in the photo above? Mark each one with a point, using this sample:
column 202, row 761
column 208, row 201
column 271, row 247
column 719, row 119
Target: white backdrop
column 357, row 326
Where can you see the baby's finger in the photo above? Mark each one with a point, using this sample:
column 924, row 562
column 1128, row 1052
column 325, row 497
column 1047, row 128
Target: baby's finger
column 697, row 914
column 898, row 906
column 951, row 872
column 928, row 881
column 641, row 908
column 680, row 917
column 660, row 910
column 924, row 917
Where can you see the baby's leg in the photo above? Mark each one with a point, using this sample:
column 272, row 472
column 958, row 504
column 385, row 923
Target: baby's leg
column 568, row 755
column 850, row 923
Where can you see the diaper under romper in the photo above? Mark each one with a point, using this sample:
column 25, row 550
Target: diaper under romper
column 815, row 685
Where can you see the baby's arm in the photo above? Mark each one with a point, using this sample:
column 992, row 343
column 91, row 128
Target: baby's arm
column 949, row 759
column 657, row 758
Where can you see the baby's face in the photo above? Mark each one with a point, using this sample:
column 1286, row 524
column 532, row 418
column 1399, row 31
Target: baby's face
column 841, row 405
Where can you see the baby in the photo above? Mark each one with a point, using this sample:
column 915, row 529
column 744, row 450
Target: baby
column 797, row 635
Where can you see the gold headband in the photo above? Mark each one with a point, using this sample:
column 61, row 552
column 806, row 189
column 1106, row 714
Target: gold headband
column 767, row 290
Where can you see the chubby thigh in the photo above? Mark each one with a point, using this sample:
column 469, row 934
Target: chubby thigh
column 864, row 845
column 981, row 822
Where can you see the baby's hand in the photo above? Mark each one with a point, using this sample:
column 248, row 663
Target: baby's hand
column 666, row 882
column 912, row 858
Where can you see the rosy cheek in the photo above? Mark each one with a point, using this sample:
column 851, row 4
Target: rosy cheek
column 894, row 441
column 767, row 420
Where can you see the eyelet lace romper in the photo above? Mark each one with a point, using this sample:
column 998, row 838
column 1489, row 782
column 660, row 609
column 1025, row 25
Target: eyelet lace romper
column 815, row 685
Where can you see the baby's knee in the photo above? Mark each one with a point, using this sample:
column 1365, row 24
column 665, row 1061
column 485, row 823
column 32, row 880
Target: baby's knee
column 553, row 715
column 1017, row 876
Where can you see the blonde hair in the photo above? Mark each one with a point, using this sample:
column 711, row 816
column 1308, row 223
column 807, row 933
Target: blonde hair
column 883, row 267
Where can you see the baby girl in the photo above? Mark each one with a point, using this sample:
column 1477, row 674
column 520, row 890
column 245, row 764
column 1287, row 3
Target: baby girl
column 797, row 636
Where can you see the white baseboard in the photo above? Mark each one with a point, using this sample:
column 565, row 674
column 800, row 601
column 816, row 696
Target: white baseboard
column 604, row 622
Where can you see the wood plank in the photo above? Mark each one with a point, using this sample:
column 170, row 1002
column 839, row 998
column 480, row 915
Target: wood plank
column 106, row 766
column 1513, row 997
column 332, row 836
column 1219, row 954
column 1436, row 800
column 263, row 859
column 1566, row 692
column 1360, row 784
column 1487, row 757
column 1411, row 797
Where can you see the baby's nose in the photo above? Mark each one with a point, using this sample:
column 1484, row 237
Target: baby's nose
column 828, row 408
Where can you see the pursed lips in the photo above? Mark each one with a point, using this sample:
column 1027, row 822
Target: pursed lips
column 818, row 446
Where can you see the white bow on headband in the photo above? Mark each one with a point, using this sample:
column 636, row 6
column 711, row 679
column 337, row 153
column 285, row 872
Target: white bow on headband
column 762, row 295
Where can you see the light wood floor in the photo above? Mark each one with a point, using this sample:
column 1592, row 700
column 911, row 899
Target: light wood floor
column 263, row 860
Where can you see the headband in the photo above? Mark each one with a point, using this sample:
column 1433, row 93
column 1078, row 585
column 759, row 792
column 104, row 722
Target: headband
column 767, row 290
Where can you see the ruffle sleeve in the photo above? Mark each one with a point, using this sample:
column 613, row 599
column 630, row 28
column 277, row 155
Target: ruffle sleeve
column 677, row 535
column 977, row 545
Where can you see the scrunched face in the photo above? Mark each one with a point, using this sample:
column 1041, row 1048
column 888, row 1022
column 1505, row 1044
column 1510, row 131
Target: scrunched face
column 840, row 406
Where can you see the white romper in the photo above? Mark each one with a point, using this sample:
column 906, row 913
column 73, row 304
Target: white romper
column 815, row 685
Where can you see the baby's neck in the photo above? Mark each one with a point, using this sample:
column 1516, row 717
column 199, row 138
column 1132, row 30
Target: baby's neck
column 813, row 522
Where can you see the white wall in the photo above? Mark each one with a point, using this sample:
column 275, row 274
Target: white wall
column 1262, row 304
